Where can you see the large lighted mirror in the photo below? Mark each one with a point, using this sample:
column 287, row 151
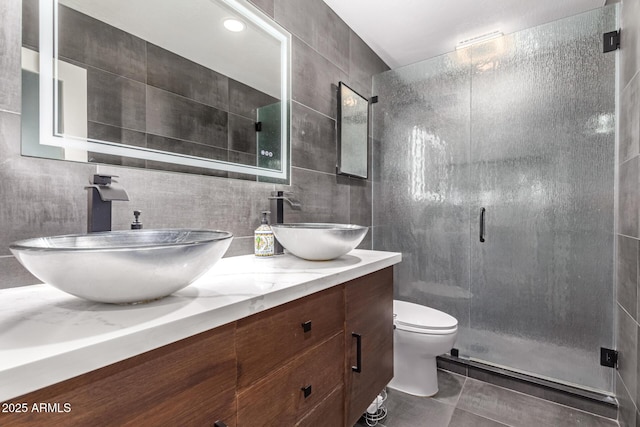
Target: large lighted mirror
column 353, row 132
column 196, row 86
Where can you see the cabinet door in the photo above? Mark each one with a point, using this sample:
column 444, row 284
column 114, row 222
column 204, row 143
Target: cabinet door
column 369, row 329
column 188, row 383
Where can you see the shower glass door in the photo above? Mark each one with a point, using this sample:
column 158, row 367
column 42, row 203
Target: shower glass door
column 523, row 127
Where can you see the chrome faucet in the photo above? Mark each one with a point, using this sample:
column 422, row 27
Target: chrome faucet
column 102, row 191
column 277, row 206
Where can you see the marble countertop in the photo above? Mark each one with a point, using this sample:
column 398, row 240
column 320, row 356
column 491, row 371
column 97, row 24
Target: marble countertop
column 48, row 336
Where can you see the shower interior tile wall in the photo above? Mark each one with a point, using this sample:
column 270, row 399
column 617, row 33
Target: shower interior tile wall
column 42, row 197
column 628, row 253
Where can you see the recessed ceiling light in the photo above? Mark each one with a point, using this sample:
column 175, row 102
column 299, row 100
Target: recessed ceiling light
column 234, row 25
column 480, row 39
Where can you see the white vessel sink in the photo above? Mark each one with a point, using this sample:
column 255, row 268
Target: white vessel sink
column 317, row 241
column 123, row 266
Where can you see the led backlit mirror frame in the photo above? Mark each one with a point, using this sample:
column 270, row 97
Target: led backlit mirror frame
column 48, row 94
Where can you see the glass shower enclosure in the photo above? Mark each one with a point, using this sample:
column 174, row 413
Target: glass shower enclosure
column 494, row 176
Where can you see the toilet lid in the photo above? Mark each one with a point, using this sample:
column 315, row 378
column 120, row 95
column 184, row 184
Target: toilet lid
column 422, row 317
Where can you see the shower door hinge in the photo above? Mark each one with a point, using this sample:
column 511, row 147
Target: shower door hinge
column 611, row 41
column 258, row 126
column 374, row 100
column 608, row 357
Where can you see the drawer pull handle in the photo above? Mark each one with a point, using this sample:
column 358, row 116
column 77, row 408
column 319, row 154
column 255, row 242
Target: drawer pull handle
column 306, row 326
column 219, row 424
column 358, row 367
column 306, row 390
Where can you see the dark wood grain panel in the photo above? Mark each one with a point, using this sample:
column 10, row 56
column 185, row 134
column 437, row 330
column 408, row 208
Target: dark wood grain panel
column 178, row 382
column 279, row 400
column 328, row 413
column 369, row 312
column 268, row 339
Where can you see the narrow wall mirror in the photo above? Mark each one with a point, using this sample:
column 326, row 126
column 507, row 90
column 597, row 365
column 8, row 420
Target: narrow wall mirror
column 200, row 86
column 353, row 132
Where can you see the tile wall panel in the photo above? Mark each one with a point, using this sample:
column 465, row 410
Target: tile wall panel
column 39, row 197
column 324, row 197
column 628, row 201
column 627, row 274
column 630, row 120
column 628, row 350
column 264, row 5
column 315, row 79
column 187, row 147
column 630, row 41
column 361, row 61
column 628, row 206
column 173, row 73
column 242, row 134
column 318, row 26
column 313, row 137
column 86, row 40
column 115, row 100
column 30, row 16
column 245, row 100
column 177, row 117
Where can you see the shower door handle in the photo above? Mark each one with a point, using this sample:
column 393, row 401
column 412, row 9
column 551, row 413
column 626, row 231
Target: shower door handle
column 482, row 210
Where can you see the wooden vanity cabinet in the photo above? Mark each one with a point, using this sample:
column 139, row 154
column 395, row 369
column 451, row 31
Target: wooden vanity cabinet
column 369, row 328
column 191, row 382
column 287, row 366
column 277, row 359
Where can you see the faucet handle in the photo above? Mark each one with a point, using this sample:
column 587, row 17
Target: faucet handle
column 281, row 194
column 102, row 179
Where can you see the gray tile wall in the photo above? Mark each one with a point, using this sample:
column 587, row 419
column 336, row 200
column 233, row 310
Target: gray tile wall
column 137, row 86
column 46, row 197
column 628, row 245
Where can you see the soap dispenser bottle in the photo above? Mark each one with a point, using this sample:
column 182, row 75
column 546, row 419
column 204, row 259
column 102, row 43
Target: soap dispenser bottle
column 264, row 240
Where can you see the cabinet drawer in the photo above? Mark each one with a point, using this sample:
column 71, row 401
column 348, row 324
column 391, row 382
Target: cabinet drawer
column 183, row 382
column 267, row 340
column 279, row 399
column 194, row 407
column 328, row 413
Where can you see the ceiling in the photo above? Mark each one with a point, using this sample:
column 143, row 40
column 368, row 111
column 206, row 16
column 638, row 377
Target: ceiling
column 402, row 32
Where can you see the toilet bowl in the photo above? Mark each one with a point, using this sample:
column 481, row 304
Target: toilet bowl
column 421, row 333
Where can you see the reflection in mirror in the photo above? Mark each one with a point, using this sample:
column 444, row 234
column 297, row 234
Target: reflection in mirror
column 157, row 84
column 353, row 125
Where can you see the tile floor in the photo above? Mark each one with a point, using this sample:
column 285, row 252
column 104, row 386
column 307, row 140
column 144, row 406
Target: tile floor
column 463, row 402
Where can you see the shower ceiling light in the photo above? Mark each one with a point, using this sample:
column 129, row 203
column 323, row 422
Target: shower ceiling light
column 234, row 25
column 480, row 39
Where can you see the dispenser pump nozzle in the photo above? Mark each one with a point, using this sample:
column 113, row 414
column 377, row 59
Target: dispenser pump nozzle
column 265, row 217
column 136, row 225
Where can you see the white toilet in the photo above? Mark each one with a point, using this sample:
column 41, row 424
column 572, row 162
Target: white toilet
column 421, row 333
